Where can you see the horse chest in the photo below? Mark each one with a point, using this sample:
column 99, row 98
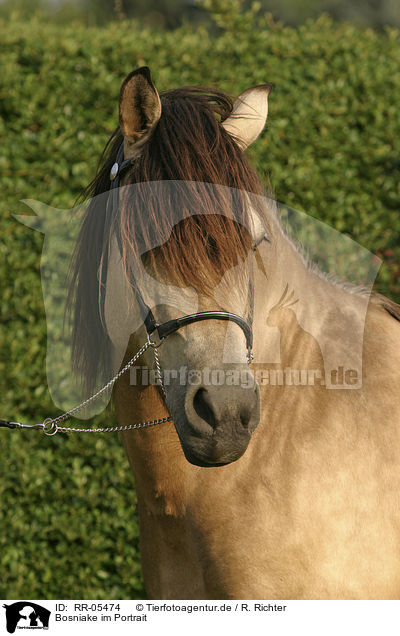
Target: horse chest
column 279, row 538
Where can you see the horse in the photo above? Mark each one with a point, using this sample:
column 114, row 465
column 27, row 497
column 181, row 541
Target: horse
column 275, row 489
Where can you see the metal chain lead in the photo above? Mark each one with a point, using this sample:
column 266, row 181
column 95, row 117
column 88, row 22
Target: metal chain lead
column 110, row 429
column 158, row 373
column 50, row 426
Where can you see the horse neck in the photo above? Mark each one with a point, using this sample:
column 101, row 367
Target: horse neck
column 326, row 321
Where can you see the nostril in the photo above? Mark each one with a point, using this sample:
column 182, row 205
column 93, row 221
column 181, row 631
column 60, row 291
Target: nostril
column 245, row 417
column 203, row 407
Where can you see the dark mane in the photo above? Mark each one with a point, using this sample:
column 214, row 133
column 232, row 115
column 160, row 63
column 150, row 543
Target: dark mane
column 190, row 147
column 390, row 305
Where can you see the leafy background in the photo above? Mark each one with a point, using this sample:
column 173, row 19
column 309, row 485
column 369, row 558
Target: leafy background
column 68, row 521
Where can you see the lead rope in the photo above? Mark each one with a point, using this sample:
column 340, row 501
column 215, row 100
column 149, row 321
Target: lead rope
column 50, row 426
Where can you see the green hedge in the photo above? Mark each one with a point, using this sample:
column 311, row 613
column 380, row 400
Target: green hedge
column 68, row 526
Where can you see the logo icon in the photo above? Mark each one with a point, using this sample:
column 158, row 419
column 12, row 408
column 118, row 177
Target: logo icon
column 26, row 615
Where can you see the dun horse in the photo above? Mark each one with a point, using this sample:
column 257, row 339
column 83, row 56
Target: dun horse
column 257, row 491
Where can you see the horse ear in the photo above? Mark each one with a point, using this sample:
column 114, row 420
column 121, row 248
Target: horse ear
column 139, row 109
column 249, row 114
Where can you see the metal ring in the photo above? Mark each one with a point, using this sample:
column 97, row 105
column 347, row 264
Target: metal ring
column 153, row 344
column 52, row 430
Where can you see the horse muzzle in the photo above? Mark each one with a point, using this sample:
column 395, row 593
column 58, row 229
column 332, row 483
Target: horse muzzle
column 219, row 422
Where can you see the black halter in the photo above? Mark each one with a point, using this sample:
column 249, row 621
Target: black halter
column 164, row 329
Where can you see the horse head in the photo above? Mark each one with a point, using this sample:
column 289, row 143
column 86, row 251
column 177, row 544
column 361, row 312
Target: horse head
column 181, row 243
